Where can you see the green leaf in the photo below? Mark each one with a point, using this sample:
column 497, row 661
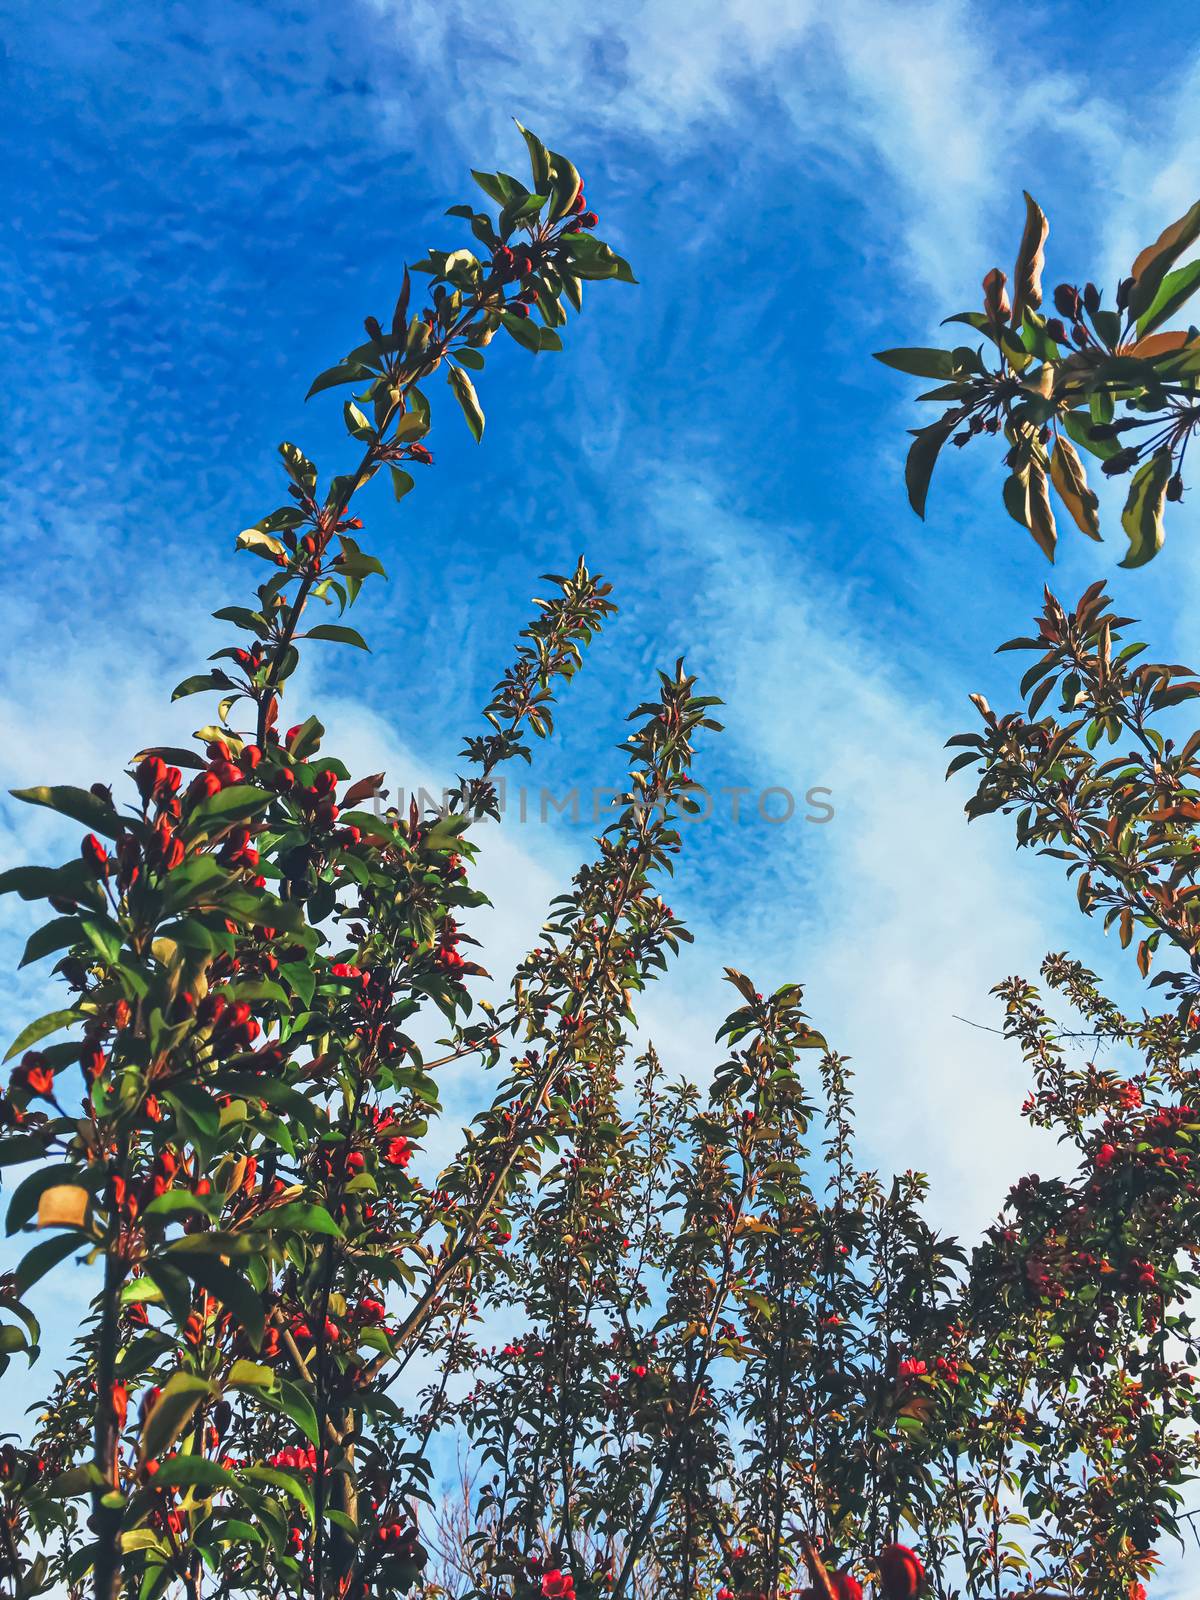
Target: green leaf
column 1156, row 260
column 337, row 633
column 17, row 1148
column 1013, row 347
column 464, row 393
column 144, row 1539
column 52, row 936
column 922, row 455
column 522, row 209
column 76, row 1482
column 357, row 425
column 227, row 805
column 36, row 883
column 179, row 1201
column 1175, row 290
column 494, row 185
column 1142, row 517
column 262, row 544
column 920, row 362
column 297, row 1217
column 199, row 682
column 306, row 739
column 539, row 160
column 1078, row 424
column 402, row 482
column 193, row 1470
column 250, row 1375
column 301, row 979
column 297, row 466
column 36, row 1263
column 52, row 1022
column 296, row 1404
column 79, row 804
column 973, row 319
column 250, row 622
column 195, row 1103
column 565, row 185
column 233, row 1290
column 1016, row 496
column 104, row 936
column 523, row 330
column 344, row 372
column 279, row 1479
column 170, row 1415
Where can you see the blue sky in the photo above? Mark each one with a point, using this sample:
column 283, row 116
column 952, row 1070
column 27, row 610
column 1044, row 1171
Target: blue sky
column 202, row 203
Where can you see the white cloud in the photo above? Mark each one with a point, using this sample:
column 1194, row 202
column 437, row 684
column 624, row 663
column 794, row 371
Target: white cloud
column 921, row 113
column 896, row 916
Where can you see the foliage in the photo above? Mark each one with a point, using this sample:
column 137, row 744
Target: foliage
column 1050, row 383
column 734, row 1363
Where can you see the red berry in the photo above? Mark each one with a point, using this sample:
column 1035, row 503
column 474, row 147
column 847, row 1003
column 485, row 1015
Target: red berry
column 203, row 787
column 901, row 1573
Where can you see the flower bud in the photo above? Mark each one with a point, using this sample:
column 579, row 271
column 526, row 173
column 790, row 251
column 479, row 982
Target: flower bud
column 996, row 303
column 96, row 856
column 1067, row 301
column 150, row 773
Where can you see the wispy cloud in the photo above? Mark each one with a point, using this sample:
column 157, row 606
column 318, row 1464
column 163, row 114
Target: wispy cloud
column 923, row 113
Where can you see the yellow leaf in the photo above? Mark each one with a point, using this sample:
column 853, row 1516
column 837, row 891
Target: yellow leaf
column 1160, row 344
column 1027, row 274
column 64, row 1205
column 1069, row 478
column 1041, row 516
column 920, row 1406
column 142, row 1539
column 1170, row 242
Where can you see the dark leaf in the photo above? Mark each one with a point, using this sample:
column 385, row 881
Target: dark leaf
column 922, row 456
